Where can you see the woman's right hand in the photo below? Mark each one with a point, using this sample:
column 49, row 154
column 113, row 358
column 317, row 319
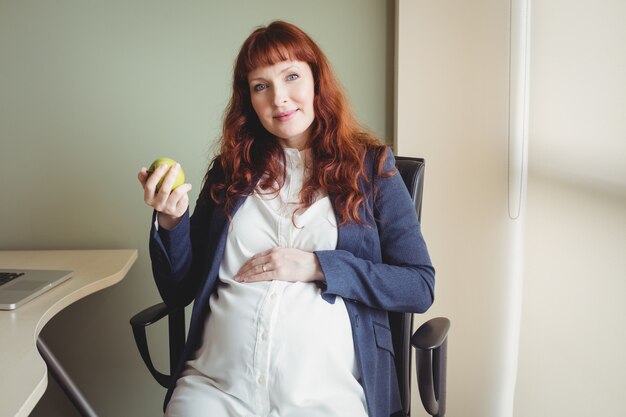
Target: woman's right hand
column 170, row 204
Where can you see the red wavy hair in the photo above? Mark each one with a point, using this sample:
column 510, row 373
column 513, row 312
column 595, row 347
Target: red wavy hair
column 338, row 142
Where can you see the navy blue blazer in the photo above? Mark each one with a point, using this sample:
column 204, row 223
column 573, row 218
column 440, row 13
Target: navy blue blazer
column 377, row 267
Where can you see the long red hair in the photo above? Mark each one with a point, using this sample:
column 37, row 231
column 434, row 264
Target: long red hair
column 338, row 142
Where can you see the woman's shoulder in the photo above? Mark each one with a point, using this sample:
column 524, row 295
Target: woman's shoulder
column 378, row 149
column 379, row 156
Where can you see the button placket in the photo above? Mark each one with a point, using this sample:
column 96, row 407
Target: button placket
column 265, row 324
column 296, row 182
column 286, row 193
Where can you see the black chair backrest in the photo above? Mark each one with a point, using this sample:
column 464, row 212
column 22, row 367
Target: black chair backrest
column 412, row 172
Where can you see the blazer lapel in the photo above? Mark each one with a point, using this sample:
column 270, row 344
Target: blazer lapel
column 349, row 235
column 220, row 221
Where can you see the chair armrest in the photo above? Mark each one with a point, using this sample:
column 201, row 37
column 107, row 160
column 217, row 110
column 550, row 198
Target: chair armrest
column 431, row 334
column 150, row 315
column 145, row 318
column 430, row 342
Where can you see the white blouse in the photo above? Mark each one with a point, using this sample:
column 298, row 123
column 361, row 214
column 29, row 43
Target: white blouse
column 278, row 346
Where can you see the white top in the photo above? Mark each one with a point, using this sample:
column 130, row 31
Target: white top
column 277, row 344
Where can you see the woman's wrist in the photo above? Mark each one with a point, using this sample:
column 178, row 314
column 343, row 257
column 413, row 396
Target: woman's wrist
column 319, row 273
column 168, row 222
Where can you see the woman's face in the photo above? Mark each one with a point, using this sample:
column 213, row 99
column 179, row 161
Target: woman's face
column 282, row 97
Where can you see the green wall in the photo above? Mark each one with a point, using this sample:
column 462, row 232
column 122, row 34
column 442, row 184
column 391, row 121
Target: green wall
column 90, row 92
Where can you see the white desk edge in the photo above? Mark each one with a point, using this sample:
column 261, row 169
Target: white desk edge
column 94, row 270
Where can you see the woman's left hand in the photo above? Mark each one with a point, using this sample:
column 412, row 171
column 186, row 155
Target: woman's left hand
column 283, row 264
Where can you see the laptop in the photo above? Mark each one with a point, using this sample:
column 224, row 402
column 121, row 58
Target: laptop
column 18, row 286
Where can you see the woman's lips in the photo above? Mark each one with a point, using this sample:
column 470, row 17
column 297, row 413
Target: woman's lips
column 284, row 116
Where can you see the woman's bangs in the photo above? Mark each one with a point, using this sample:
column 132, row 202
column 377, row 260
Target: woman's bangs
column 266, row 52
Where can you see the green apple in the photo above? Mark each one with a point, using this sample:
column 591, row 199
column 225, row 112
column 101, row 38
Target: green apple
column 180, row 178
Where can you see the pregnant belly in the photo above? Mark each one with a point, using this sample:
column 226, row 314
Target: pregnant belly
column 268, row 328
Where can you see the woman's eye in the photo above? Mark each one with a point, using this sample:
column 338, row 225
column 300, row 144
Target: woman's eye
column 260, row 87
column 292, row 77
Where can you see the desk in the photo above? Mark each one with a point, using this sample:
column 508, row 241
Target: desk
column 23, row 372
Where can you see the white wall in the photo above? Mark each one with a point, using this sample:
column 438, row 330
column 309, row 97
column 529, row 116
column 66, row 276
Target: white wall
column 572, row 359
column 452, row 110
column 578, row 91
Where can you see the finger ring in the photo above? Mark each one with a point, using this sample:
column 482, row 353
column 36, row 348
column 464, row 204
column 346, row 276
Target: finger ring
column 263, row 267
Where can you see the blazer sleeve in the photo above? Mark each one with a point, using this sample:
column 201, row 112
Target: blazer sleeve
column 179, row 255
column 405, row 279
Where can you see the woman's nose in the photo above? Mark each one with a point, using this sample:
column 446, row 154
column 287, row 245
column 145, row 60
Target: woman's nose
column 280, row 96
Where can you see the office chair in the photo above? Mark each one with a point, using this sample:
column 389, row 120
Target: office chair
column 429, row 341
